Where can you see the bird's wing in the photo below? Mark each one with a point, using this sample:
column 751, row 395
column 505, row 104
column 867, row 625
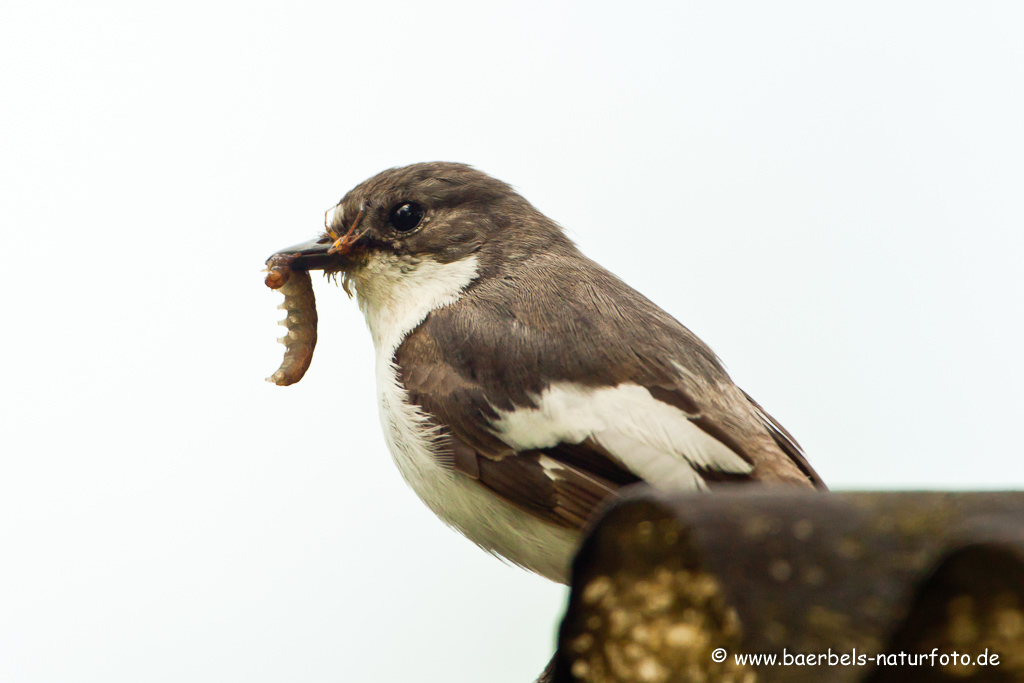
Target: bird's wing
column 554, row 397
column 562, row 483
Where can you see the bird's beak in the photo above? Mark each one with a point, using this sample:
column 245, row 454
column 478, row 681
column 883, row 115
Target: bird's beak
column 327, row 252
column 312, row 255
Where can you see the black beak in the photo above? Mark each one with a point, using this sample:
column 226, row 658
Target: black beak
column 311, row 255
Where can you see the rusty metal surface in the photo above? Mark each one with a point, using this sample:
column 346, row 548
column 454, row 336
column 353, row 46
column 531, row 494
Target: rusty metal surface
column 663, row 581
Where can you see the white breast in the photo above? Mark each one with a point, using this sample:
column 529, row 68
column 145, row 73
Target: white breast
column 395, row 295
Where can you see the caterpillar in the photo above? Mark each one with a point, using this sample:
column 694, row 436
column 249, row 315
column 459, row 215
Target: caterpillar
column 300, row 321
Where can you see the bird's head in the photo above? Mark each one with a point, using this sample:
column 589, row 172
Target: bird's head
column 440, row 212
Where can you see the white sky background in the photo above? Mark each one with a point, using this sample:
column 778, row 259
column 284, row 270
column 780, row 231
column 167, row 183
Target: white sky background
column 833, row 198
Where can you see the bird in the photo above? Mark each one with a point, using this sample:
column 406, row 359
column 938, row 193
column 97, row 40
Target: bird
column 520, row 384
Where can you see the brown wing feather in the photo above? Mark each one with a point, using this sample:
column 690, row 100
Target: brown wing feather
column 546, row 484
column 787, row 443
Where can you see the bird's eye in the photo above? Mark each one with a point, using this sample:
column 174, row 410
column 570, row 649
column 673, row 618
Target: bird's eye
column 405, row 216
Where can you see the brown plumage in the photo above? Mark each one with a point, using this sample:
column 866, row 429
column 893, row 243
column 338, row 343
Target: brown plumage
column 532, row 315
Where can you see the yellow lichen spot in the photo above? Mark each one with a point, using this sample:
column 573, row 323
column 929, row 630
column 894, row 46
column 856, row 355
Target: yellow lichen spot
column 633, row 652
column 731, row 623
column 684, row 635
column 1009, row 624
column 582, row 643
column 641, row 634
column 703, row 587
column 650, row 671
column 658, row 601
column 692, row 616
column 616, row 661
column 596, row 589
column 580, row 669
column 663, row 577
column 619, row 621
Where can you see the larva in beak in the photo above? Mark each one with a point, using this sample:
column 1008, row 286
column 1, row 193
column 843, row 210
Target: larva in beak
column 300, row 321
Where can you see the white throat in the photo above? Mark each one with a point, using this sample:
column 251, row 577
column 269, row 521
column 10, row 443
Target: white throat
column 396, row 293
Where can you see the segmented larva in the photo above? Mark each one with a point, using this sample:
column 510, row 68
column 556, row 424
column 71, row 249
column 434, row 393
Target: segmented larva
column 300, row 321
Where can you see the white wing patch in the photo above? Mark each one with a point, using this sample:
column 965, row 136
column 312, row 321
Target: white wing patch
column 651, row 438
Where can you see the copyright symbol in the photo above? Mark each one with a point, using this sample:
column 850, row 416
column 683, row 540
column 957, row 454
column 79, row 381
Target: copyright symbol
column 719, row 655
